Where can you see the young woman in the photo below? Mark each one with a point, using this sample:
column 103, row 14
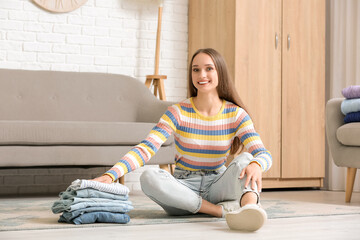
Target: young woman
column 207, row 127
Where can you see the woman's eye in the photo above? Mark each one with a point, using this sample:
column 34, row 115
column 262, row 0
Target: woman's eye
column 195, row 70
column 209, row 68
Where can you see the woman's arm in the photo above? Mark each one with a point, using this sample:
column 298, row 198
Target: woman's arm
column 104, row 179
column 262, row 160
column 252, row 141
column 141, row 153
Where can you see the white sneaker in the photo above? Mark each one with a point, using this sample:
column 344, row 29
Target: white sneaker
column 229, row 206
column 250, row 218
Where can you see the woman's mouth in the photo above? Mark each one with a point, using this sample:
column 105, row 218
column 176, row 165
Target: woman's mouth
column 203, row 82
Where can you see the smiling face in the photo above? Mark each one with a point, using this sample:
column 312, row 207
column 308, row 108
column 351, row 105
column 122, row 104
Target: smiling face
column 204, row 75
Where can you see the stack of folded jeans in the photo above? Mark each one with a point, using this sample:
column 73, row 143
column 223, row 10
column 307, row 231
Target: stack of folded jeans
column 86, row 201
column 350, row 107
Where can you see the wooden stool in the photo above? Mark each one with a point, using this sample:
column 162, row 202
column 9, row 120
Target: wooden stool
column 158, row 82
column 159, row 88
column 121, row 180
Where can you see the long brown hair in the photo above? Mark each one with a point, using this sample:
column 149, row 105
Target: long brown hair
column 226, row 89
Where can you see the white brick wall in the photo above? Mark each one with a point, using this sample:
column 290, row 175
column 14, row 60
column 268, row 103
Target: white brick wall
column 112, row 36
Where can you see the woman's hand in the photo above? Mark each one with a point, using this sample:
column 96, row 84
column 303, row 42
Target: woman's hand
column 254, row 174
column 103, row 179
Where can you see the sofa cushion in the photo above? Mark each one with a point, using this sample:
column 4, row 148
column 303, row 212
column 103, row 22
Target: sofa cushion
column 74, row 133
column 76, row 96
column 31, row 156
column 348, row 134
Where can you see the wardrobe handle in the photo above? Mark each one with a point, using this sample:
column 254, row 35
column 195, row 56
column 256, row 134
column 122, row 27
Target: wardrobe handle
column 288, row 41
column 276, row 40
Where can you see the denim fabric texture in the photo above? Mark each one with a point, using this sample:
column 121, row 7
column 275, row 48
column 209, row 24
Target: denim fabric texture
column 69, row 216
column 91, row 193
column 182, row 193
column 80, row 203
column 99, row 217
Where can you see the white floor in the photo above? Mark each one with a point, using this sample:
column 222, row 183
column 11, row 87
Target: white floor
column 323, row 227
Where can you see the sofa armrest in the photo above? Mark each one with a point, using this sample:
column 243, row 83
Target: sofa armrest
column 151, row 111
column 334, row 119
column 343, row 156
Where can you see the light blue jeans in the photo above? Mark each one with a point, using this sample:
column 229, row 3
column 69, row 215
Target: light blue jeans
column 69, row 216
column 101, row 217
column 90, row 193
column 80, row 203
column 182, row 193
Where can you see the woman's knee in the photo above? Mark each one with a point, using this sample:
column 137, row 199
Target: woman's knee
column 147, row 175
column 242, row 160
column 168, row 192
column 238, row 164
column 151, row 179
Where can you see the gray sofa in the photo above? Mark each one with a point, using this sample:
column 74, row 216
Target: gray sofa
column 344, row 142
column 53, row 119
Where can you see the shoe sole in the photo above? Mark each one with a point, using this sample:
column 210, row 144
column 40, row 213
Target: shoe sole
column 246, row 220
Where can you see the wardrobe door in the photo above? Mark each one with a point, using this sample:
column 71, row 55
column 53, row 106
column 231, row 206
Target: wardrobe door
column 258, row 70
column 303, row 89
column 212, row 25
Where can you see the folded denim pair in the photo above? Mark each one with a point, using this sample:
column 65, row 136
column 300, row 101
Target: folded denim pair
column 70, row 216
column 98, row 217
column 70, row 205
column 86, row 201
column 90, row 193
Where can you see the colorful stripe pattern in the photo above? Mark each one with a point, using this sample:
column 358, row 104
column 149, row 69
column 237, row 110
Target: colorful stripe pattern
column 202, row 143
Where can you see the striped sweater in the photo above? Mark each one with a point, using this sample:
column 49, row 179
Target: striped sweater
column 202, row 143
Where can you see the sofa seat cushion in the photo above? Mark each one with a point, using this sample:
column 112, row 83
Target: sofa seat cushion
column 74, row 133
column 348, row 134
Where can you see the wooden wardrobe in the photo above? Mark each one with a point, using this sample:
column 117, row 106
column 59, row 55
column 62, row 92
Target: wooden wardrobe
column 275, row 51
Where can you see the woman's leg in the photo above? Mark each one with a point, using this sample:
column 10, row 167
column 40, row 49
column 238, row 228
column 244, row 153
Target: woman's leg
column 211, row 209
column 172, row 195
column 249, row 198
column 229, row 187
column 177, row 199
